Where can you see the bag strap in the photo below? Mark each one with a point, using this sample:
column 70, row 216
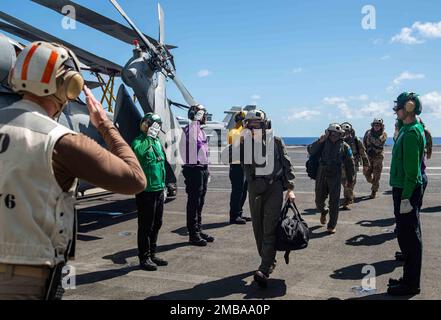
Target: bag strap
column 284, row 211
column 293, row 207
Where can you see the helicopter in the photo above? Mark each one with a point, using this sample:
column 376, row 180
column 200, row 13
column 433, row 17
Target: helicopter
column 146, row 73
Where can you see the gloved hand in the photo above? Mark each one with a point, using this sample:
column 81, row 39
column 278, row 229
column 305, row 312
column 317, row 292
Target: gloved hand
column 199, row 115
column 405, row 207
column 324, row 137
column 154, row 130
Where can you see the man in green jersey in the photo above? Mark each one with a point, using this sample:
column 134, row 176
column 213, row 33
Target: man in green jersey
column 150, row 202
column 407, row 183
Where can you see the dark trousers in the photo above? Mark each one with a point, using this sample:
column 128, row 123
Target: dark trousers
column 150, row 211
column 196, row 182
column 239, row 189
column 409, row 236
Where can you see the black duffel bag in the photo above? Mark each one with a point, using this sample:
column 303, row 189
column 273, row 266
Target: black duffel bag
column 292, row 232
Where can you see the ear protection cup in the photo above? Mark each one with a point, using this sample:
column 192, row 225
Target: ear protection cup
column 144, row 127
column 69, row 86
column 191, row 114
column 410, row 106
column 72, row 85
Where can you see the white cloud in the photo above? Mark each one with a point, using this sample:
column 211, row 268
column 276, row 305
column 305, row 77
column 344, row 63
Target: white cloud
column 358, row 107
column 341, row 103
column 408, row 76
column 304, row 114
column 297, row 70
column 377, row 41
column 376, row 108
column 428, row 29
column 405, row 76
column 255, row 97
column 334, row 100
column 204, row 73
column 386, row 57
column 432, row 103
column 418, row 33
column 406, row 37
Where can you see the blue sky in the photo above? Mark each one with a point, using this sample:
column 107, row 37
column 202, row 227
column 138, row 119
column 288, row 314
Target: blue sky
column 306, row 63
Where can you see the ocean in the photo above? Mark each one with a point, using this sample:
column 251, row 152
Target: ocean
column 304, row 141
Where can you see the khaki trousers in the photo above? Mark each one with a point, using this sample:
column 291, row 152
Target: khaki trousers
column 23, row 282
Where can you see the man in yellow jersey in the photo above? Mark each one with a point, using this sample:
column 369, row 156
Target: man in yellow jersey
column 239, row 186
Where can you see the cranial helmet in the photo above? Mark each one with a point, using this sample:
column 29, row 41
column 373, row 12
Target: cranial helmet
column 194, row 110
column 346, row 126
column 335, row 127
column 256, row 119
column 410, row 102
column 47, row 70
column 148, row 120
column 378, row 121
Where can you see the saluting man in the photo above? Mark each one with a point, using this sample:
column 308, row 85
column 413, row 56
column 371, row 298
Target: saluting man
column 194, row 150
column 150, row 202
column 40, row 161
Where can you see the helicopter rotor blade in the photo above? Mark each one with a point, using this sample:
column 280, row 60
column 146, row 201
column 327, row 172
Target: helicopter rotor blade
column 146, row 42
column 164, row 68
column 161, row 25
column 185, row 93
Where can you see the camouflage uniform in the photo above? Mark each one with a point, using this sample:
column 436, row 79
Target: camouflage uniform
column 360, row 156
column 374, row 144
column 328, row 182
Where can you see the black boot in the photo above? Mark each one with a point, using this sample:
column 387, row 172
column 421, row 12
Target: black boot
column 158, row 261
column 238, row 220
column 399, row 256
column 148, row 265
column 261, row 279
column 198, row 241
column 206, row 237
column 395, row 282
column 403, row 289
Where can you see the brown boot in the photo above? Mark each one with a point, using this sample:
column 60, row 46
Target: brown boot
column 346, row 204
column 323, row 219
column 373, row 195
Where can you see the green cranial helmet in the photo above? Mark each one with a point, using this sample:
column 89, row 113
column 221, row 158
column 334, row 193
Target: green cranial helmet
column 410, row 102
column 148, row 120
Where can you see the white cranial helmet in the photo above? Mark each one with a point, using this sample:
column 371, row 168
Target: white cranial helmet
column 47, row 69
